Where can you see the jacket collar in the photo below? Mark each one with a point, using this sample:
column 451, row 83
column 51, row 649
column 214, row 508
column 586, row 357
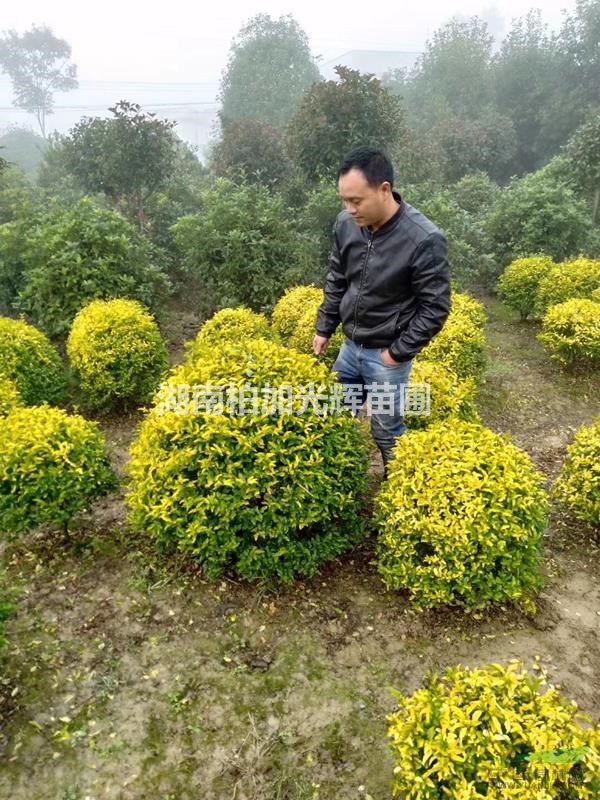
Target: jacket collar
column 394, row 219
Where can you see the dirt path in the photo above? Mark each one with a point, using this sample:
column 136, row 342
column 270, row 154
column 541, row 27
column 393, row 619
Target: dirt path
column 130, row 676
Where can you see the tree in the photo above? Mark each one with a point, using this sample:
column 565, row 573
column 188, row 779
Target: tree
column 270, row 67
column 524, row 73
column 37, row 62
column 253, row 150
column 128, row 158
column 583, row 150
column 336, row 116
column 23, row 147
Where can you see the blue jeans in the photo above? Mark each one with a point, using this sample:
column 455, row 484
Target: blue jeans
column 364, row 375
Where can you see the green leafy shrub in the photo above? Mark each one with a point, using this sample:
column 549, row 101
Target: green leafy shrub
column 460, row 345
column 29, row 359
column 490, row 734
column 243, row 246
column 578, row 485
column 233, row 326
column 596, row 295
column 577, row 278
column 518, row 284
column 538, row 213
column 449, row 396
column 84, row 254
column 9, row 395
column 461, row 517
column 571, row 332
column 116, row 353
column 51, row 465
column 258, row 493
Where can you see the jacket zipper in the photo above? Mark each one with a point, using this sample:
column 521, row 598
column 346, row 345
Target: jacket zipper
column 360, row 288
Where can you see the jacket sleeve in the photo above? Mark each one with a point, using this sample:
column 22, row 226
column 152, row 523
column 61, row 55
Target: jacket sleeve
column 328, row 317
column 431, row 287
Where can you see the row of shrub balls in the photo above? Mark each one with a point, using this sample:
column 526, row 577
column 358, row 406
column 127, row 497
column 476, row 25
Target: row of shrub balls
column 460, row 517
column 566, row 297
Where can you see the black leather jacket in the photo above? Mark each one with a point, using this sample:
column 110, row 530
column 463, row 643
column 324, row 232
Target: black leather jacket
column 390, row 288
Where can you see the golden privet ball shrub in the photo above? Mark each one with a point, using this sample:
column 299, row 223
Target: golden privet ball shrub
column 9, row 395
column 448, row 395
column 518, row 284
column 578, row 485
column 51, row 465
column 577, row 278
column 571, row 333
column 295, row 317
column 491, row 734
column 460, row 517
column 259, row 494
column 460, row 345
column 596, row 295
column 291, row 307
column 28, row 358
column 116, row 354
column 232, row 325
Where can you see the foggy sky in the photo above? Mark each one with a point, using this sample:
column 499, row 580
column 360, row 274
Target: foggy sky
column 130, row 40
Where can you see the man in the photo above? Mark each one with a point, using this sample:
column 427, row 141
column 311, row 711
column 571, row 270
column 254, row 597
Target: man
column 389, row 286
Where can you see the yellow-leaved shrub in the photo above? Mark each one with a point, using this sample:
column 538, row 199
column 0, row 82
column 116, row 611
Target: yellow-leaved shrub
column 291, row 307
column 261, row 494
column 578, row 485
column 459, row 346
column 461, row 517
column 51, row 465
column 449, row 395
column 116, row 354
column 491, row 734
column 9, row 395
column 576, row 278
column 518, row 284
column 29, row 359
column 233, row 326
column 571, row 332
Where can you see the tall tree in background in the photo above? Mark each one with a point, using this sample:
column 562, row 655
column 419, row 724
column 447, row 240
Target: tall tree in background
column 37, row 63
column 336, row 116
column 583, row 149
column 129, row 157
column 524, row 73
column 270, row 67
column 251, row 150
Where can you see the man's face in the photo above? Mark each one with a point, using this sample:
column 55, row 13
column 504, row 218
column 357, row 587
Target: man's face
column 366, row 204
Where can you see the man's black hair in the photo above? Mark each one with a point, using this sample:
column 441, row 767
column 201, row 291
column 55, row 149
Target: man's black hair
column 373, row 163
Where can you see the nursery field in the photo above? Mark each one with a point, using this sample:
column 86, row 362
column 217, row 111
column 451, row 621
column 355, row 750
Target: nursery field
column 129, row 675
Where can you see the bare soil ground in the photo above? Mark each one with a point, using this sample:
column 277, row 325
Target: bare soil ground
column 128, row 675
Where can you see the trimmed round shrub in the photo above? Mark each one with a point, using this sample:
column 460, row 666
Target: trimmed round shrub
column 9, row 395
column 567, row 280
column 234, row 326
column 261, row 494
column 491, row 734
column 467, row 306
column 291, row 307
column 83, row 254
column 578, row 485
column 302, row 338
column 459, row 346
column 571, row 332
column 460, row 517
column 51, row 465
column 28, row 358
column 596, row 295
column 116, row 353
column 518, row 284
column 449, row 396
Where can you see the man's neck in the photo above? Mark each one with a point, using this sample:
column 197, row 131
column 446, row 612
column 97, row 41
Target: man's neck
column 393, row 207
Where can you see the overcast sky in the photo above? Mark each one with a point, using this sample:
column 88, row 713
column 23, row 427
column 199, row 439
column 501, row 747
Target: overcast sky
column 135, row 40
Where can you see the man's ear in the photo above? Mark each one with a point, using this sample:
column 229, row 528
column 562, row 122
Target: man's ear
column 386, row 187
